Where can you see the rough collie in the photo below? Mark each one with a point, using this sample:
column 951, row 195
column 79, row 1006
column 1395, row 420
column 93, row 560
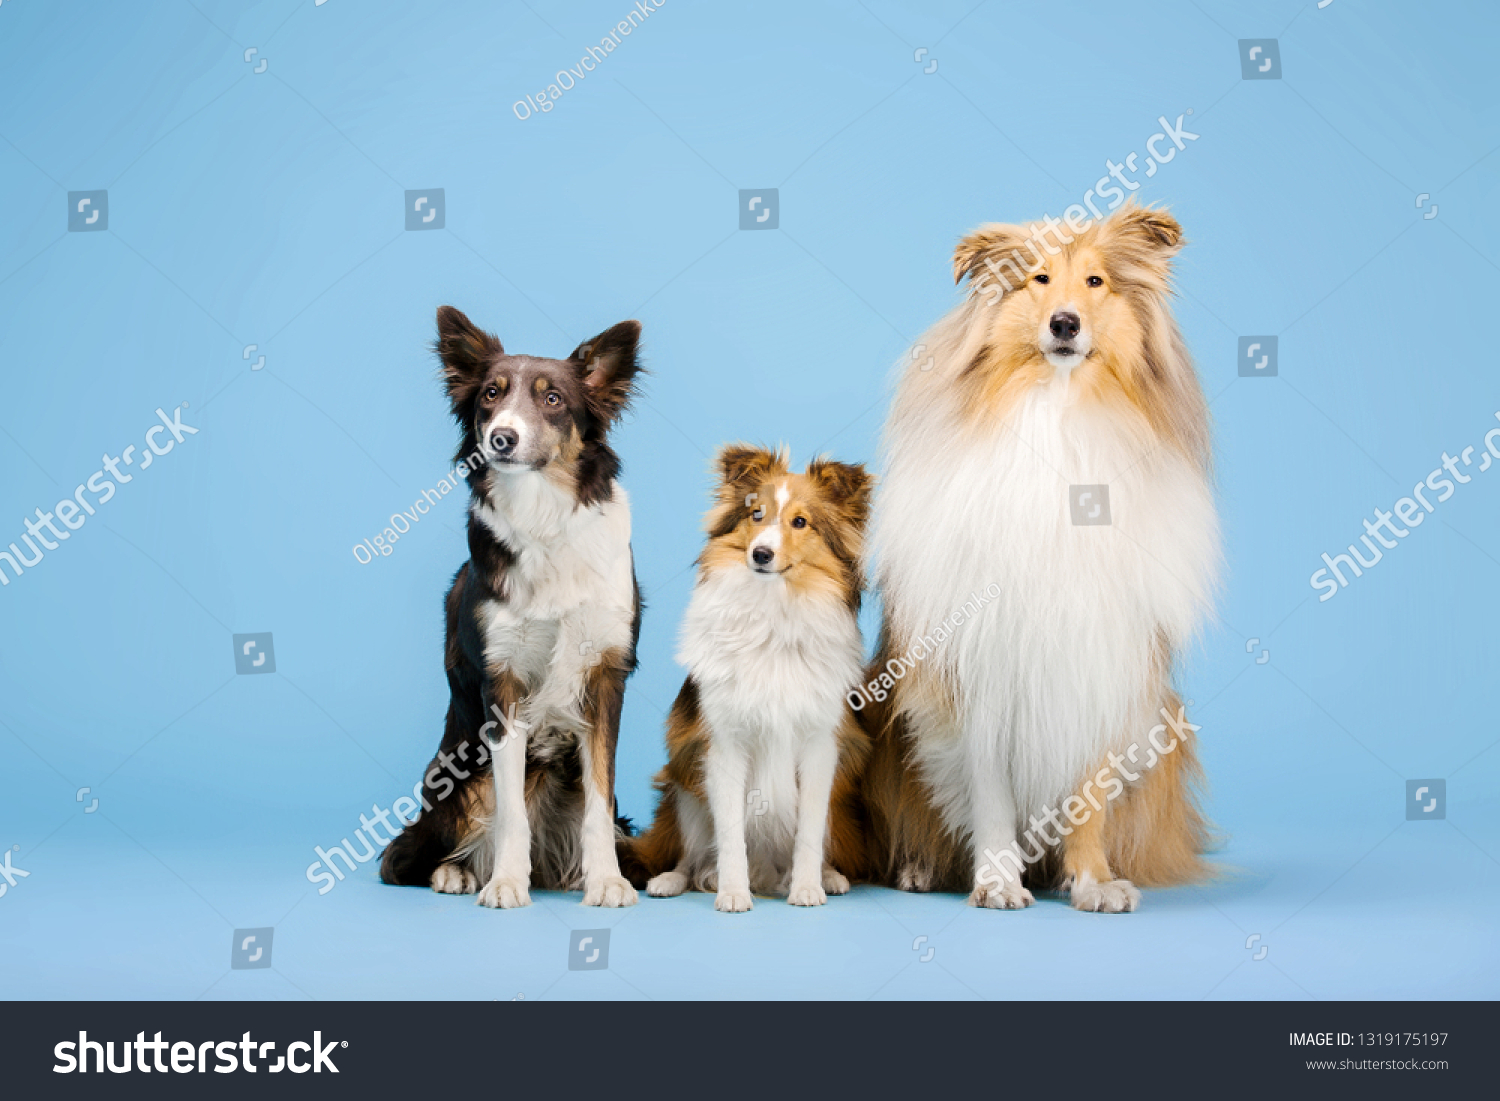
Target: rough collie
column 760, row 740
column 542, row 622
column 1043, row 741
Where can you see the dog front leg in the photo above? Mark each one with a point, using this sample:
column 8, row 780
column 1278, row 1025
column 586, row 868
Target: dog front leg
column 604, row 693
column 814, row 784
column 510, row 879
column 997, row 868
column 724, row 768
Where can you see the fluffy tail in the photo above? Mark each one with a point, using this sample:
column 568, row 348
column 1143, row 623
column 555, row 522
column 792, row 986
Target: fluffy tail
column 1158, row 834
column 657, row 850
column 412, row 857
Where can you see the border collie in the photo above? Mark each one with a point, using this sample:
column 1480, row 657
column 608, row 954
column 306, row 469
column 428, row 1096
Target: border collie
column 1052, row 698
column 542, row 622
column 760, row 740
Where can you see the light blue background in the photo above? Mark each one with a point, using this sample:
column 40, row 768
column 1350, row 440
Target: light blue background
column 266, row 209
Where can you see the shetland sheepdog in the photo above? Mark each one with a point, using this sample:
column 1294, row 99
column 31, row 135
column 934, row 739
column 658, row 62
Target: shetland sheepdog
column 758, row 793
column 1062, row 372
column 542, row 622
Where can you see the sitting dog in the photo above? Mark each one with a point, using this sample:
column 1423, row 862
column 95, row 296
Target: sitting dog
column 542, row 622
column 1052, row 452
column 760, row 740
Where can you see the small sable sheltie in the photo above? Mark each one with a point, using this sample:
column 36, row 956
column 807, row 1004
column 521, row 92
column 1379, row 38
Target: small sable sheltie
column 758, row 793
column 542, row 622
column 1062, row 372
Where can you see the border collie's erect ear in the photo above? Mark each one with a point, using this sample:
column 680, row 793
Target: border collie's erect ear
column 609, row 367
column 466, row 352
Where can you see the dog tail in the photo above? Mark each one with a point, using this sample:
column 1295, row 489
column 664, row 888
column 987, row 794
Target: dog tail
column 657, row 850
column 1158, row 835
column 412, row 856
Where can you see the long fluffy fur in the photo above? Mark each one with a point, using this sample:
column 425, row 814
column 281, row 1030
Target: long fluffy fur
column 770, row 659
column 1074, row 659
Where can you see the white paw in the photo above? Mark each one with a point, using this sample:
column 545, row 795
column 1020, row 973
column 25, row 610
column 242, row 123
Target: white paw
column 667, row 885
column 806, row 894
column 505, row 894
column 613, row 890
column 1117, row 896
column 450, row 879
column 733, row 901
column 913, row 877
column 833, row 882
column 1003, row 896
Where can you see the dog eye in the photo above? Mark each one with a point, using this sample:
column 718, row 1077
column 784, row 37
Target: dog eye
column 800, row 522
column 553, row 398
column 758, row 515
column 492, row 393
column 1095, row 281
column 1043, row 279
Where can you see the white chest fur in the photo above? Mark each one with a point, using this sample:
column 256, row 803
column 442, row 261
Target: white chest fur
column 1059, row 668
column 570, row 593
column 769, row 661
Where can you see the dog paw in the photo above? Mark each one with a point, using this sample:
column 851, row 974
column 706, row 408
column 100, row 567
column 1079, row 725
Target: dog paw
column 914, row 877
column 667, row 885
column 1004, row 896
column 450, row 879
column 1116, row 896
column 614, row 890
column 505, row 894
column 833, row 882
column 806, row 894
column 733, row 901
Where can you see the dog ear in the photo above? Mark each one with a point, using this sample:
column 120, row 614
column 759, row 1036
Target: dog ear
column 994, row 242
column 1154, row 229
column 742, row 470
column 607, row 363
column 846, row 487
column 466, row 352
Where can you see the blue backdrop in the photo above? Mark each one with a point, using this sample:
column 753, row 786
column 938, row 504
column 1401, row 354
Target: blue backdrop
column 251, row 271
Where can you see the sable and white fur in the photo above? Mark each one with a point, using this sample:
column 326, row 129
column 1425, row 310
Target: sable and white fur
column 761, row 731
column 1021, row 707
column 542, row 624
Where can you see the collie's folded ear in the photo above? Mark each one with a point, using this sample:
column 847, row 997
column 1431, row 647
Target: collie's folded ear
column 466, row 352
column 608, row 366
column 994, row 242
column 1152, row 229
column 846, row 486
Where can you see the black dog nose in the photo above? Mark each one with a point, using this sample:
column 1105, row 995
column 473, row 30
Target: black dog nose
column 503, row 441
column 762, row 555
column 1065, row 325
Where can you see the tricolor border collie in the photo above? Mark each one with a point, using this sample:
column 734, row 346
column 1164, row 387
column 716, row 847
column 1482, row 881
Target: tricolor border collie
column 758, row 795
column 1052, row 711
column 542, row 622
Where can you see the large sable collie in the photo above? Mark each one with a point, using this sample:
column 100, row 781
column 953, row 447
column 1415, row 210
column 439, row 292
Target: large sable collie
column 542, row 627
column 1050, row 711
column 761, row 740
